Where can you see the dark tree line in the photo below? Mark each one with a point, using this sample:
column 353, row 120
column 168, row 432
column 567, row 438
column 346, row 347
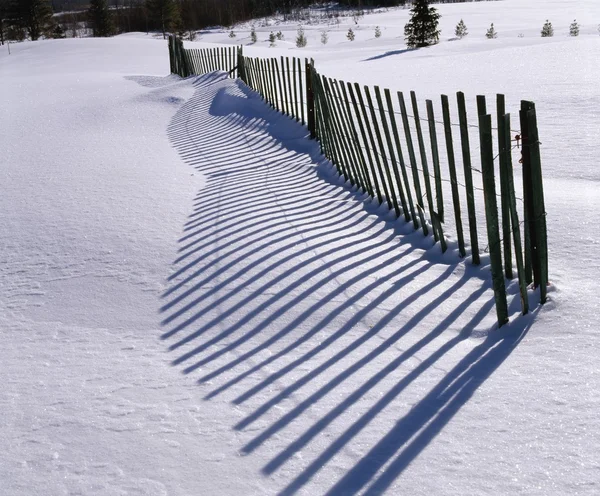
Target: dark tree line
column 20, row 19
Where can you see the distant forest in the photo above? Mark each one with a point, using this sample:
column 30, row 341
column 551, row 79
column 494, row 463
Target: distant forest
column 60, row 18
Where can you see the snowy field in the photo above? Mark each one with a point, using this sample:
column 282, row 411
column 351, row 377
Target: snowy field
column 191, row 303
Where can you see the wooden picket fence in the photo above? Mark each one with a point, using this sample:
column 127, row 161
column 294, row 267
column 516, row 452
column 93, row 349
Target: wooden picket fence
column 372, row 137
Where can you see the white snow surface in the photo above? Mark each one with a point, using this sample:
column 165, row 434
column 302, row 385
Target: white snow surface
column 192, row 304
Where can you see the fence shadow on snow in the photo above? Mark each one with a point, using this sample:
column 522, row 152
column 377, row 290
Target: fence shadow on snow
column 251, row 305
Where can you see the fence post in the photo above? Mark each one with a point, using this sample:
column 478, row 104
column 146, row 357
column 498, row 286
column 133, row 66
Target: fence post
column 491, row 215
column 504, row 123
column 504, row 196
column 528, row 231
column 466, row 155
column 453, row 178
column 310, row 98
column 536, row 208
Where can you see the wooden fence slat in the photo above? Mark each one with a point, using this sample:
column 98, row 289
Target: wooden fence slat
column 364, row 147
column 423, row 154
column 339, row 136
column 281, row 93
column 540, row 250
column 346, row 133
column 413, row 162
column 435, row 158
column 370, row 145
column 504, row 198
column 505, row 148
column 466, row 156
column 310, row 99
column 453, row 178
column 390, row 145
column 289, row 86
column 367, row 186
column 286, row 108
column 407, row 215
column 296, row 112
column 300, row 78
column 491, row 215
column 274, row 73
column 272, row 85
column 393, row 197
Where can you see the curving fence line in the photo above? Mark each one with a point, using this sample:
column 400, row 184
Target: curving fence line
column 373, row 138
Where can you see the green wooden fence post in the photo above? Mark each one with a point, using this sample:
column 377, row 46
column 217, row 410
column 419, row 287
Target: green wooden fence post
column 466, row 155
column 491, row 215
column 339, row 136
column 361, row 161
column 528, row 231
column 365, row 146
column 310, row 99
column 354, row 160
column 390, row 145
column 377, row 179
column 504, row 199
column 505, row 148
column 435, row 158
column 413, row 163
column 426, row 177
column 540, row 249
column 300, row 78
column 411, row 207
column 453, row 178
column 296, row 110
column 382, row 162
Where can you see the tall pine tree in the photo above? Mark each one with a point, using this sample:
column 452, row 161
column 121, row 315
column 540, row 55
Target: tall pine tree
column 422, row 29
column 100, row 18
column 165, row 13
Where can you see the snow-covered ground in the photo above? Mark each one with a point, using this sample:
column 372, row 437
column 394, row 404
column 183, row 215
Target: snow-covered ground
column 190, row 302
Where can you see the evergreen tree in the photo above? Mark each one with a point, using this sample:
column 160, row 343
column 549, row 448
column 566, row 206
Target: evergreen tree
column 279, row 35
column 100, row 18
column 324, row 37
column 547, row 29
column 253, row 36
column 461, row 30
column 301, row 40
column 377, row 32
column 350, row 35
column 33, row 16
column 422, row 28
column 491, row 33
column 165, row 13
column 574, row 29
column 58, row 32
column 272, row 39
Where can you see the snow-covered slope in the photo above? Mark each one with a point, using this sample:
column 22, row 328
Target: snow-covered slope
column 151, row 226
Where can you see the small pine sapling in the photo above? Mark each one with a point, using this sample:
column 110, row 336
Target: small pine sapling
column 301, row 40
column 253, row 36
column 547, row 29
column 461, row 30
column 377, row 32
column 574, row 28
column 324, row 37
column 272, row 39
column 279, row 35
column 491, row 33
column 350, row 34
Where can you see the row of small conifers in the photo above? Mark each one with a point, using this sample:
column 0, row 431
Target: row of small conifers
column 367, row 134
